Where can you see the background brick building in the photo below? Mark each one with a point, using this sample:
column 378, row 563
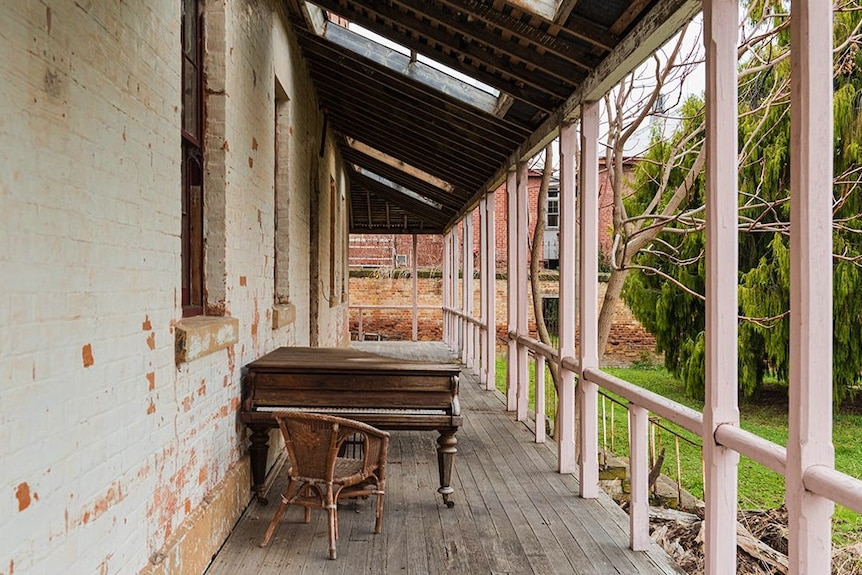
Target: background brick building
column 396, row 251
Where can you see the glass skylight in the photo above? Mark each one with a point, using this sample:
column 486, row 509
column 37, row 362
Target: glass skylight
column 398, row 188
column 417, row 67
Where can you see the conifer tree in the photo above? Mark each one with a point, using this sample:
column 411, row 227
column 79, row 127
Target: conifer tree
column 665, row 290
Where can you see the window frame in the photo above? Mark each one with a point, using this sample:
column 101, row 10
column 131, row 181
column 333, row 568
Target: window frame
column 192, row 166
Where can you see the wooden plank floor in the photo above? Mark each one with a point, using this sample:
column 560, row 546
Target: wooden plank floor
column 513, row 512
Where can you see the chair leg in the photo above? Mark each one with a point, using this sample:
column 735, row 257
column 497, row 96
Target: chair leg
column 273, row 524
column 333, row 520
column 378, row 523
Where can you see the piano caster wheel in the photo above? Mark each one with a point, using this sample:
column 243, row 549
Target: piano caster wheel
column 262, row 501
column 450, row 504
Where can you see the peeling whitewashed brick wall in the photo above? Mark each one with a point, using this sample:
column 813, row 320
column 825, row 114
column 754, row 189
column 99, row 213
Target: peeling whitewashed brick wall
column 109, row 450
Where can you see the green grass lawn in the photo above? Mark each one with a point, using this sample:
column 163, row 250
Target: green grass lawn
column 759, row 487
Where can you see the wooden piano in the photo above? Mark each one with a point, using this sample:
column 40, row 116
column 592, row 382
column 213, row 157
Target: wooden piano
column 385, row 392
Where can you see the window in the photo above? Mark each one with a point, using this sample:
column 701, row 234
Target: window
column 192, row 160
column 553, row 213
column 333, row 241
column 282, row 196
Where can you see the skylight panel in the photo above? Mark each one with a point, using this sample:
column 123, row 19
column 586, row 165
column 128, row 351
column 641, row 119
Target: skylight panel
column 398, row 59
column 399, row 188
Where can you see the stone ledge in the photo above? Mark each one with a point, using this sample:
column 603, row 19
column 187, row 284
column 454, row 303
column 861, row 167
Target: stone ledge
column 197, row 337
column 283, row 315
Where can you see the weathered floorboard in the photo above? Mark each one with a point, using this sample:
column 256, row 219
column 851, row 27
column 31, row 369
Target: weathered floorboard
column 513, row 513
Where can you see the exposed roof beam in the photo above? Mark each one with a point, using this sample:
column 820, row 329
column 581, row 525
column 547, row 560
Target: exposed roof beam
column 364, row 149
column 381, row 23
column 387, row 77
column 651, row 32
column 564, row 10
column 389, row 120
column 633, row 11
column 553, row 64
column 581, row 28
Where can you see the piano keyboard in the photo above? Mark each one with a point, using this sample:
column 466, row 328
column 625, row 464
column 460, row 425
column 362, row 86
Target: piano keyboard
column 348, row 410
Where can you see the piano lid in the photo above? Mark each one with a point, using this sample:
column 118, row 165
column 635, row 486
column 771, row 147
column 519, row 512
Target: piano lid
column 340, row 359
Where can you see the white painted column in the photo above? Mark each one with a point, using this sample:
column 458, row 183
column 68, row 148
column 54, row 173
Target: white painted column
column 446, row 295
column 721, row 29
column 523, row 210
column 566, row 454
column 415, row 276
column 512, row 272
column 491, row 291
column 809, row 440
column 588, row 300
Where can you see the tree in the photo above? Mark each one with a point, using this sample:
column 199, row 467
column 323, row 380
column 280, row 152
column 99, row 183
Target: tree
column 641, row 99
column 665, row 292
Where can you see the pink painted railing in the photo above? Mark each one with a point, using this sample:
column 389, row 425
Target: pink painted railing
column 822, row 480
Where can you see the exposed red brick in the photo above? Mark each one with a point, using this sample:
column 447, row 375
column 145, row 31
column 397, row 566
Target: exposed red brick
column 87, row 355
column 22, row 494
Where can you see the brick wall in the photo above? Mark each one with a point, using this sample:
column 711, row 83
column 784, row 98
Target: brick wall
column 628, row 341
column 116, row 459
column 430, row 248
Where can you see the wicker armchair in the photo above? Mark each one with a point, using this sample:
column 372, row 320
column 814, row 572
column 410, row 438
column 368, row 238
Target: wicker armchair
column 319, row 477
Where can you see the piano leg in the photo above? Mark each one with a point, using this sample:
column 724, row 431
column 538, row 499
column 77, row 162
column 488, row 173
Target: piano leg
column 258, row 450
column 445, row 461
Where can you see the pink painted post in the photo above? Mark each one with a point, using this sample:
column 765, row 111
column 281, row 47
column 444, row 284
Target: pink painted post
column 512, row 288
column 469, row 356
column 566, row 454
column 447, row 298
column 523, row 210
column 540, row 398
column 809, row 441
column 483, row 289
column 721, row 28
column 454, row 325
column 588, row 300
column 639, row 539
column 415, row 275
column 458, row 252
column 491, row 290
column 466, row 291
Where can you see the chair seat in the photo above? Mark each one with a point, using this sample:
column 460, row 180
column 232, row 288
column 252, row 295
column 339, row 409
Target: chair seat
column 347, row 467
